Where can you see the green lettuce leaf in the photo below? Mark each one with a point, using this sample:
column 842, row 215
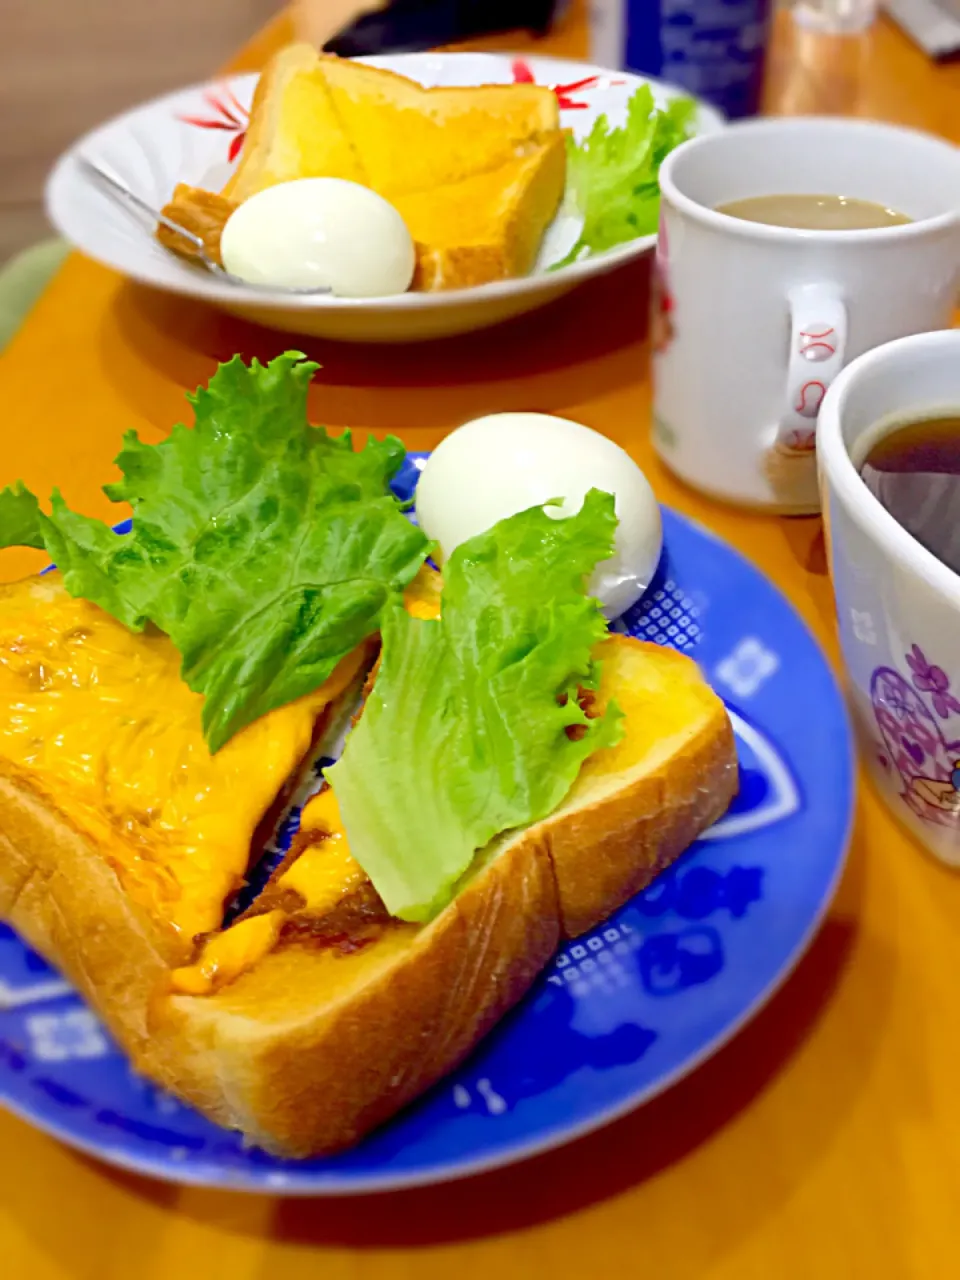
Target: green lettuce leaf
column 464, row 735
column 614, row 173
column 21, row 518
column 264, row 547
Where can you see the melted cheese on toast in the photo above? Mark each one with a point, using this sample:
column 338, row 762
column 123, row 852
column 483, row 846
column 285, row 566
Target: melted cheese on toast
column 97, row 721
column 324, row 872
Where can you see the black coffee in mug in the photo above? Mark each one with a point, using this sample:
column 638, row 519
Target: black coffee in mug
column 914, row 471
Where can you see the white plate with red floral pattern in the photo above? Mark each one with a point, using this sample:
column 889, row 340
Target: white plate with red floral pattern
column 195, row 135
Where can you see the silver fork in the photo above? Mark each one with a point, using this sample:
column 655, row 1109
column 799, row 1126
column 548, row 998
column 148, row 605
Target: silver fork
column 120, row 191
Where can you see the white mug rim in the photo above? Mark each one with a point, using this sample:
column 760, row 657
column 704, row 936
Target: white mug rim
column 847, row 483
column 760, row 231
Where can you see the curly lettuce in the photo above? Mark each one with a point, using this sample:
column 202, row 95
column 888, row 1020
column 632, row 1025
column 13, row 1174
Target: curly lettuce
column 479, row 722
column 265, row 548
column 614, row 173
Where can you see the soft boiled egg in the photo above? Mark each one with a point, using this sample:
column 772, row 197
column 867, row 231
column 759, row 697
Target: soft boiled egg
column 495, row 466
column 320, row 233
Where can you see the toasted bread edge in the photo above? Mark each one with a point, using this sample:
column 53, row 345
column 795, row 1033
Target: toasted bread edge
column 315, row 1077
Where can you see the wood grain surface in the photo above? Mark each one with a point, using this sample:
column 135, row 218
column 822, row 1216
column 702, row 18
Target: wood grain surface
column 65, row 67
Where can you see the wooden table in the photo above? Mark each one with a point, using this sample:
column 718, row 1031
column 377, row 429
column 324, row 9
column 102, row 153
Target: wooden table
column 825, row 1141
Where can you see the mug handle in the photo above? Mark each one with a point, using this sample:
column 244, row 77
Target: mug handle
column 818, row 340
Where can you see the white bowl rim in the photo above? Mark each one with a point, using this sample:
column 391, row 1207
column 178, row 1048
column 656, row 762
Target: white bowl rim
column 207, row 288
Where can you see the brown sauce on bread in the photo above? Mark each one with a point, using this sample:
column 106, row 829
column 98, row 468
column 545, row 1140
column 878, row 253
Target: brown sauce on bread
column 356, row 921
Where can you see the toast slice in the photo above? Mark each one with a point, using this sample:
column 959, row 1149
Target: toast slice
column 348, row 1015
column 415, row 139
column 488, row 226
column 294, row 129
column 322, row 116
column 477, row 173
column 121, row 837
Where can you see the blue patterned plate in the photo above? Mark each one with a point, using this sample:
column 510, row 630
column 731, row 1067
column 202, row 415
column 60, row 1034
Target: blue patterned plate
column 619, row 1015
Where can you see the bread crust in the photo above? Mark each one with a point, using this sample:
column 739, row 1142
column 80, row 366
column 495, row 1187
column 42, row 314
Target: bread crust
column 648, row 818
column 453, row 252
column 353, row 1039
column 64, row 899
column 310, row 1050
column 203, row 212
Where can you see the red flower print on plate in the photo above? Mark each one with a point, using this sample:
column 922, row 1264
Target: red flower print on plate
column 523, row 74
column 228, row 115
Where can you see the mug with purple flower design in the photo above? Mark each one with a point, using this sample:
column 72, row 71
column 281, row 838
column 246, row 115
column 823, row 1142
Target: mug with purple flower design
column 898, row 605
column 934, row 681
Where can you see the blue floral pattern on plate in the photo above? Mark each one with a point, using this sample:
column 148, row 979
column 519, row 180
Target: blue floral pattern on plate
column 618, row 1016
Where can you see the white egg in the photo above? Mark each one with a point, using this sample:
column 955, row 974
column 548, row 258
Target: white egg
column 494, row 467
column 320, row 232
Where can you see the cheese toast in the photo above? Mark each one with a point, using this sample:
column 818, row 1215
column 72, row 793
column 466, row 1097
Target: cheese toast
column 108, row 787
column 337, row 1016
column 512, row 772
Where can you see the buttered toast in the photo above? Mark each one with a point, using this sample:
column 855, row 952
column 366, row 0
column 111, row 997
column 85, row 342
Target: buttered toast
column 323, row 116
column 345, row 1015
column 294, row 131
column 477, row 173
column 204, row 213
column 489, row 226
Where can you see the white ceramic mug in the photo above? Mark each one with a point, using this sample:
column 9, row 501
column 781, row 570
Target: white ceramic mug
column 753, row 322
column 898, row 606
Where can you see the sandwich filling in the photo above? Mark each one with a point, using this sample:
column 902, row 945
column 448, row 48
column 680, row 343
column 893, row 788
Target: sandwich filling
column 313, row 896
column 477, row 723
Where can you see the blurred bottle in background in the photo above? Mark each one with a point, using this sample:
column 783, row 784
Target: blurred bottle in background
column 713, row 48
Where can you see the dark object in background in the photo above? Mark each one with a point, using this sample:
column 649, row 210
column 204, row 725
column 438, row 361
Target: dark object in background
column 715, row 49
column 407, row 26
